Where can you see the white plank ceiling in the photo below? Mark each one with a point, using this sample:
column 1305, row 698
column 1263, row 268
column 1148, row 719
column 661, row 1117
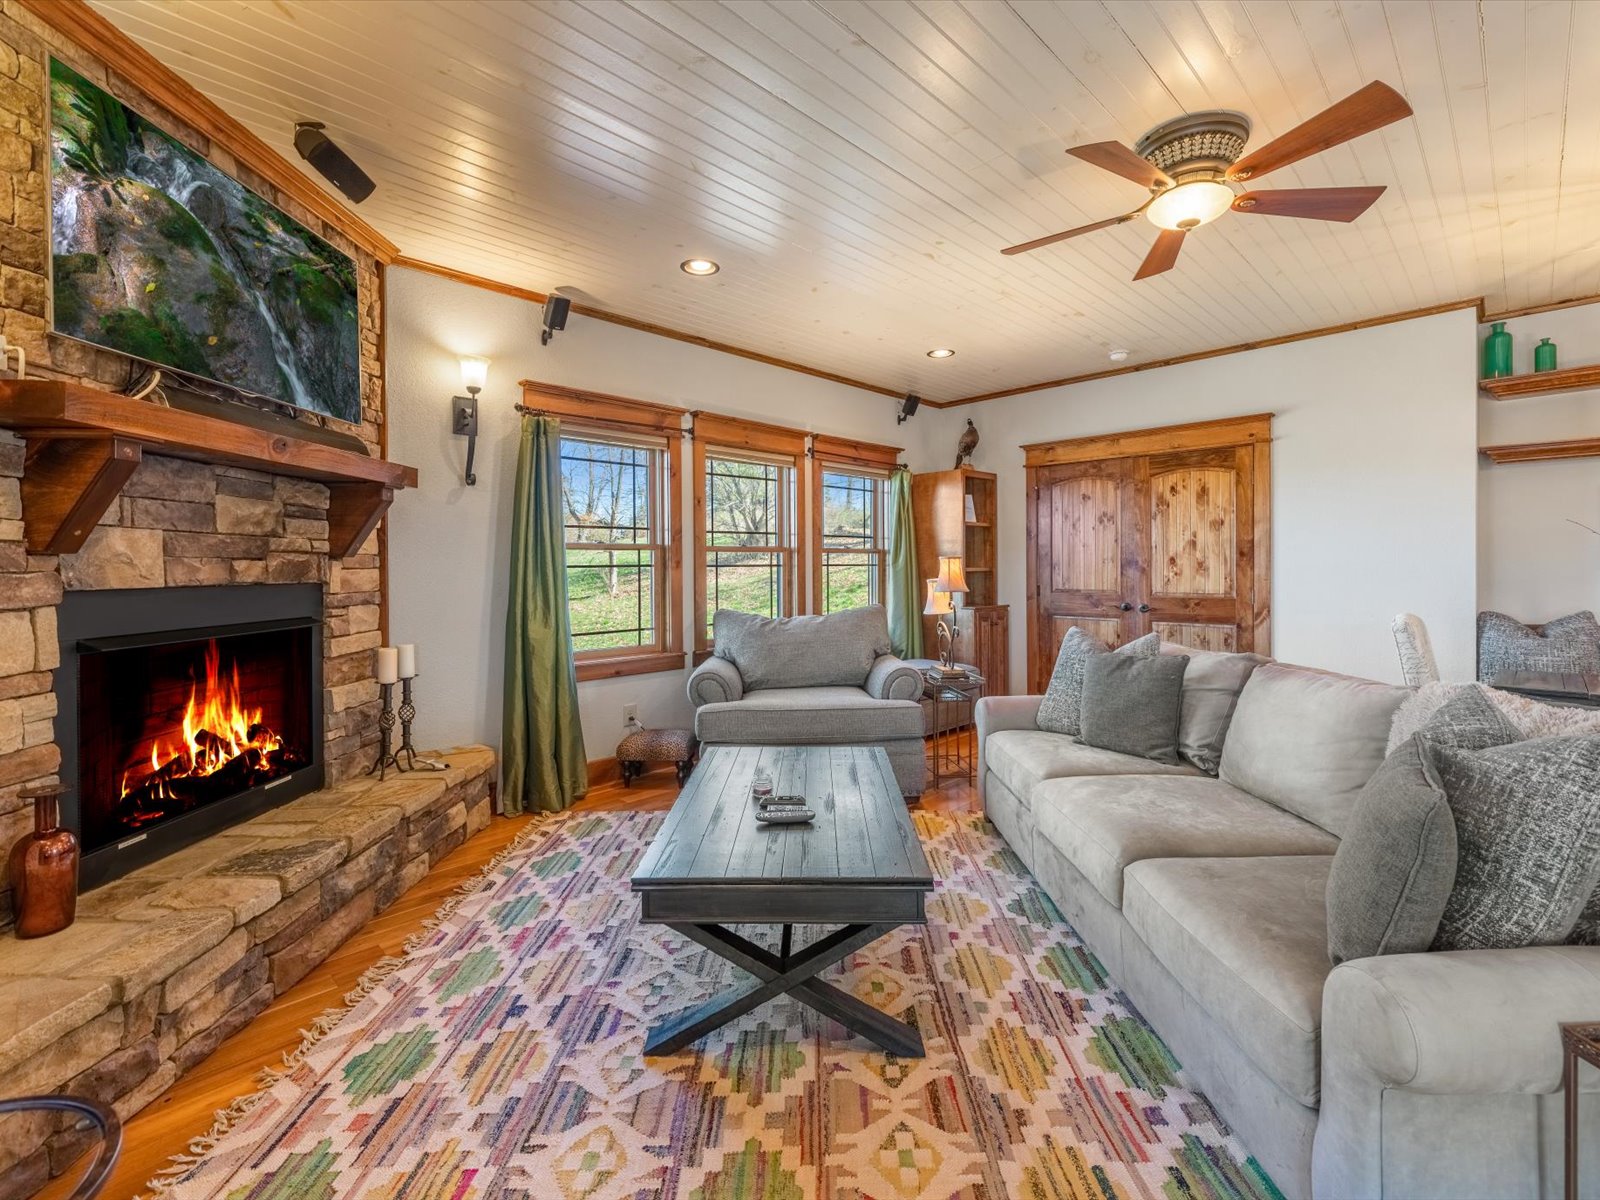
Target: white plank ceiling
column 856, row 166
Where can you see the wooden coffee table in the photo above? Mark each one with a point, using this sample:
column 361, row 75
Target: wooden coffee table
column 858, row 865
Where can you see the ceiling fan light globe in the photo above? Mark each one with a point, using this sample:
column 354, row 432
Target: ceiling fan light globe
column 1190, row 205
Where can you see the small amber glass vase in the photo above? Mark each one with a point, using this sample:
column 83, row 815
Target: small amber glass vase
column 44, row 869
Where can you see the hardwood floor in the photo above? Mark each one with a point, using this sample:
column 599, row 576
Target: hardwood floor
column 187, row 1110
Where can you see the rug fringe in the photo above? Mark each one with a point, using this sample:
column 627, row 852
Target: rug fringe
column 326, row 1022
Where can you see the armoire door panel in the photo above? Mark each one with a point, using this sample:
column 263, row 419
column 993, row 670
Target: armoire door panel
column 1193, row 531
column 1197, row 636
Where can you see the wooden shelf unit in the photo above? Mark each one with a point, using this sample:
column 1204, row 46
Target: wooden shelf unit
column 84, row 443
column 1542, row 451
column 1542, row 383
column 939, row 508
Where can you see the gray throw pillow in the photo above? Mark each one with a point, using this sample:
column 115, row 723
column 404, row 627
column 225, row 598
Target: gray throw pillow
column 1063, row 697
column 1570, row 643
column 1132, row 704
column 1528, row 839
column 1396, row 864
column 1211, row 688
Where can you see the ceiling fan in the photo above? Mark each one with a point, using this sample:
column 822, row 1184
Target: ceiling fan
column 1192, row 166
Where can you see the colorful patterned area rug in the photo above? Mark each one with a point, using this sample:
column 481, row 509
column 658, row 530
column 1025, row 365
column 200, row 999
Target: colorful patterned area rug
column 501, row 1060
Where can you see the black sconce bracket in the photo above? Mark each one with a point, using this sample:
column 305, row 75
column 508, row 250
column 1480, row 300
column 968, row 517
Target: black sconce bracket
column 464, row 420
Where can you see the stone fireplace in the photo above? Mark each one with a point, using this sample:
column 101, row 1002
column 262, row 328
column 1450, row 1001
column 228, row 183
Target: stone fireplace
column 181, row 714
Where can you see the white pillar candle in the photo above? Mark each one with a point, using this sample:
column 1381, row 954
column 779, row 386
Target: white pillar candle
column 408, row 661
column 388, row 664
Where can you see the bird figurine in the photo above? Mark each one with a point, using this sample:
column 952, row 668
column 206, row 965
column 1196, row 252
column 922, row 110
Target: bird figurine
column 967, row 444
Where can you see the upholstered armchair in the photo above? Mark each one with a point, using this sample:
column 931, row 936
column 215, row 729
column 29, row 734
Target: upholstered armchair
column 808, row 681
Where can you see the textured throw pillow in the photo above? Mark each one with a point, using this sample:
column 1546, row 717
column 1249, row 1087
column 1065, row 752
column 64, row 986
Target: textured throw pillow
column 1533, row 718
column 1528, row 840
column 1570, row 643
column 1211, row 688
column 1396, row 864
column 1132, row 704
column 1063, row 697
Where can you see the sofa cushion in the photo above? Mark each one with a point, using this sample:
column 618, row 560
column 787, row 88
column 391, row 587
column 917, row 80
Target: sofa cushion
column 833, row 650
column 1247, row 940
column 1309, row 740
column 1131, row 704
column 795, row 716
column 1063, row 695
column 1104, row 825
column 1024, row 757
column 1211, row 688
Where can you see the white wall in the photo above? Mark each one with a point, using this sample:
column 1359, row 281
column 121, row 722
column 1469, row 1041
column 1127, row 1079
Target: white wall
column 1533, row 561
column 449, row 544
column 1374, row 479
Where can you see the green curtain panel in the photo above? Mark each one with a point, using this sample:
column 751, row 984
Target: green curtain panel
column 545, row 766
column 905, row 589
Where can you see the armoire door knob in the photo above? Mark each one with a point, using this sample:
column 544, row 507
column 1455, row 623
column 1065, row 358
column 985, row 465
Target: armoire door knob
column 1144, row 608
column 1126, row 606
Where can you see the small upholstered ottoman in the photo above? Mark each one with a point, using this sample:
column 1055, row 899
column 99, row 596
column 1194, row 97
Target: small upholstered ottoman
column 656, row 745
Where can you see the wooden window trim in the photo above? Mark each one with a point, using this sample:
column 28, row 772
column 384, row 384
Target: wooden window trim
column 819, row 554
column 733, row 436
column 597, row 414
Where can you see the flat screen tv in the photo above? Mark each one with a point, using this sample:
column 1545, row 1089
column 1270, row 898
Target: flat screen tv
column 157, row 254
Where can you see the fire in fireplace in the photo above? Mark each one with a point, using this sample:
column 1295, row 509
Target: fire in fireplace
column 174, row 730
column 223, row 743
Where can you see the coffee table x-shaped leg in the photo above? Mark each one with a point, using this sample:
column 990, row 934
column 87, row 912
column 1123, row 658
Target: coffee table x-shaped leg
column 776, row 974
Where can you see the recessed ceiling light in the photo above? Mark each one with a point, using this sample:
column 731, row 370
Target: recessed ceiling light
column 1118, row 356
column 698, row 266
column 941, row 352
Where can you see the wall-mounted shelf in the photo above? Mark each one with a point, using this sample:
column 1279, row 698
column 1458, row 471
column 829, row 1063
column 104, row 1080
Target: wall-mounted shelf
column 1542, row 383
column 84, row 443
column 1541, row 451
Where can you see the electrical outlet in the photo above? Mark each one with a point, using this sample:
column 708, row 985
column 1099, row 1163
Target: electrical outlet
column 630, row 714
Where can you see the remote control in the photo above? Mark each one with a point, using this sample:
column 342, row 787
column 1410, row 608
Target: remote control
column 783, row 801
column 785, row 814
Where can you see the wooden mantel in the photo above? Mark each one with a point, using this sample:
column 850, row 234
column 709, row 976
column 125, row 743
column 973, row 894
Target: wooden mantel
column 84, row 443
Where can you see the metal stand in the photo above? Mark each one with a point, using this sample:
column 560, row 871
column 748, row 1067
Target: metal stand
column 386, row 757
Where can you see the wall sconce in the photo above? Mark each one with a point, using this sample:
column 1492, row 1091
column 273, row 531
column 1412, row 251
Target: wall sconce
column 464, row 409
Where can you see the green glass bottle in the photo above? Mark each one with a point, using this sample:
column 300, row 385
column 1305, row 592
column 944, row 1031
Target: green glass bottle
column 1497, row 352
column 1544, row 355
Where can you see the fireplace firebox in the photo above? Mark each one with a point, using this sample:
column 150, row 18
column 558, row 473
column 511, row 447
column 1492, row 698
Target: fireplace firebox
column 183, row 711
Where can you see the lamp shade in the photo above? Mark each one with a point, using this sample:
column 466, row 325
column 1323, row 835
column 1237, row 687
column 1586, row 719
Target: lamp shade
column 474, row 373
column 952, row 575
column 938, row 602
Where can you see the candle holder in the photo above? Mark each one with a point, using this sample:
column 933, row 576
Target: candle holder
column 408, row 713
column 386, row 757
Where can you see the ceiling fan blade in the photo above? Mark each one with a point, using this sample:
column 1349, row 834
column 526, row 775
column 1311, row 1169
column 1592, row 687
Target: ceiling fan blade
column 1162, row 255
column 1373, row 107
column 1070, row 233
column 1119, row 160
column 1316, row 204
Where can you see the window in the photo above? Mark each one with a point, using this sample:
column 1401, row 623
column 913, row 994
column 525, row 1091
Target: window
column 749, row 550
column 852, row 538
column 612, row 499
column 622, row 514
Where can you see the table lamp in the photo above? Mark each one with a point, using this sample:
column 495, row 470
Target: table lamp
column 943, row 594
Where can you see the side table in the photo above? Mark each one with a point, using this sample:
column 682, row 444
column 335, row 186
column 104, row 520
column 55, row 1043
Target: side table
column 1580, row 1043
column 953, row 697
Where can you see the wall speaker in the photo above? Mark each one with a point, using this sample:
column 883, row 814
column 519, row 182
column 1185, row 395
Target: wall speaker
column 555, row 317
column 908, row 407
column 332, row 163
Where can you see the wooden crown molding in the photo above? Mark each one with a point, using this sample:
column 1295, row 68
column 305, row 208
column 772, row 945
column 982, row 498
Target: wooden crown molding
column 79, row 23
column 1261, row 344
column 678, row 335
column 1532, row 309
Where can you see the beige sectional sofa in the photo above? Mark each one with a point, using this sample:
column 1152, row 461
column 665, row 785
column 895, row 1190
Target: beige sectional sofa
column 1416, row 1075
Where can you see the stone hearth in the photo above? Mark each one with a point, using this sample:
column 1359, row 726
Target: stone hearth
column 165, row 963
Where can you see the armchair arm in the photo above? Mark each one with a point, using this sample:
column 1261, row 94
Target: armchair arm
column 893, row 678
column 715, row 681
column 994, row 713
column 1469, row 1022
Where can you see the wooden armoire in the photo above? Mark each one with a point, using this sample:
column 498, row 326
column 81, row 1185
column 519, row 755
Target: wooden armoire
column 1156, row 530
column 954, row 513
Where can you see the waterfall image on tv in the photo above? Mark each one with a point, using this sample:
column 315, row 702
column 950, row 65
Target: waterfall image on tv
column 159, row 255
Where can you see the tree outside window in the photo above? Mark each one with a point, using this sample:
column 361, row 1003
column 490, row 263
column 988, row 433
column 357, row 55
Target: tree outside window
column 612, row 495
column 854, row 539
column 748, row 542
